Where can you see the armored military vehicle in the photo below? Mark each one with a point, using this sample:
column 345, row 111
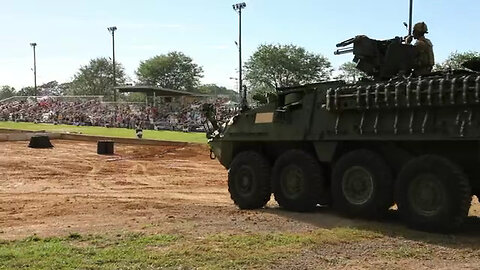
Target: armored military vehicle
column 395, row 139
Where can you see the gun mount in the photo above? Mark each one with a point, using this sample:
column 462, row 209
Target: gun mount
column 381, row 59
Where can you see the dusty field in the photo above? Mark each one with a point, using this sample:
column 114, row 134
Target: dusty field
column 178, row 189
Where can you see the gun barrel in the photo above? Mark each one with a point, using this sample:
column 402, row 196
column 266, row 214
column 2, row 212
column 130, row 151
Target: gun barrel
column 346, row 42
column 343, row 51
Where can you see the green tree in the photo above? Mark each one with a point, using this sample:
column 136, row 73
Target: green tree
column 27, row 91
column 134, row 97
column 213, row 89
column 96, row 78
column 349, row 72
column 53, row 88
column 261, row 95
column 273, row 66
column 64, row 89
column 6, row 92
column 174, row 70
column 455, row 60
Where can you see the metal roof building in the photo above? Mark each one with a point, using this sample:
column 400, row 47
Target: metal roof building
column 153, row 92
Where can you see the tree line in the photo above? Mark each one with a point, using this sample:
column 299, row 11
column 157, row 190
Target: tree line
column 174, row 70
column 271, row 66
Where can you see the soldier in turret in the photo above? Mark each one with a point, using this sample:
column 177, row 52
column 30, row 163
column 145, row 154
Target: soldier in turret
column 424, row 47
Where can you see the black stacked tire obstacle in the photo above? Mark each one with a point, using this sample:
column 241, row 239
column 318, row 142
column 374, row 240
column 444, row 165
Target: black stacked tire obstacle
column 40, row 141
column 105, row 147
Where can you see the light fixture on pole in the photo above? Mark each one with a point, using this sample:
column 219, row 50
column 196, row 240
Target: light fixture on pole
column 238, row 8
column 33, row 44
column 112, row 30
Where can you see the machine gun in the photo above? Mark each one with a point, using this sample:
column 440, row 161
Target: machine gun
column 381, row 59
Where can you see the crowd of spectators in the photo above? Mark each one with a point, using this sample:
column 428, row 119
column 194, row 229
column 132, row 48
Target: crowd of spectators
column 185, row 116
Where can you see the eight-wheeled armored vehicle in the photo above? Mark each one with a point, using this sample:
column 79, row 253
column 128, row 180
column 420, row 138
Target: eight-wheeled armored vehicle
column 395, row 139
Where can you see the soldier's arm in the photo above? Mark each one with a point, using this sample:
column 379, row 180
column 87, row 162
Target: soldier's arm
column 408, row 39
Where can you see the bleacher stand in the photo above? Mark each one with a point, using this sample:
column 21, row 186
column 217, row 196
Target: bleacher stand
column 93, row 112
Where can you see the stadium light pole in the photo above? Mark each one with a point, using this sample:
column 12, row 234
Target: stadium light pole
column 33, row 44
column 112, row 30
column 238, row 8
column 410, row 15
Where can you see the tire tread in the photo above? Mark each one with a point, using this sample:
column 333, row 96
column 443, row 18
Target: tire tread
column 457, row 182
column 262, row 166
column 316, row 190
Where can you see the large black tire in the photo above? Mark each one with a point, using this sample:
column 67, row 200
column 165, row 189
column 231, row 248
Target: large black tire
column 362, row 184
column 40, row 141
column 249, row 180
column 105, row 147
column 298, row 181
column 433, row 194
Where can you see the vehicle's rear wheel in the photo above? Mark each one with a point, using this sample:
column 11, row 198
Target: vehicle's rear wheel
column 433, row 194
column 362, row 184
column 249, row 180
column 298, row 181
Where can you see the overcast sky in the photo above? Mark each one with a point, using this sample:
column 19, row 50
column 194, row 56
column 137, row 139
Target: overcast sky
column 70, row 33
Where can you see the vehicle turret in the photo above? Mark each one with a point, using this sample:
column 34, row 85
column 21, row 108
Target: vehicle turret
column 380, row 59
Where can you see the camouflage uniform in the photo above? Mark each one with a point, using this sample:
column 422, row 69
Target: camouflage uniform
column 424, row 50
column 425, row 58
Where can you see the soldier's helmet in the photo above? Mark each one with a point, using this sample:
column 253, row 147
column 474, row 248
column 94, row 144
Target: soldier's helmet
column 420, row 28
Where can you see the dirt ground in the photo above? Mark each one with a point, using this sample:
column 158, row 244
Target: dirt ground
column 178, row 189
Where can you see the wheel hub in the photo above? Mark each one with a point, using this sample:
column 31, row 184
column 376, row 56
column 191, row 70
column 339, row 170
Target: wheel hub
column 426, row 195
column 245, row 180
column 292, row 181
column 357, row 185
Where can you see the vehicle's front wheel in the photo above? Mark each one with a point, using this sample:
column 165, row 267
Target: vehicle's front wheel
column 362, row 184
column 298, row 181
column 249, row 180
column 433, row 194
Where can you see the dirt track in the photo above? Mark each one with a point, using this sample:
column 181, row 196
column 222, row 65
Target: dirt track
column 178, row 189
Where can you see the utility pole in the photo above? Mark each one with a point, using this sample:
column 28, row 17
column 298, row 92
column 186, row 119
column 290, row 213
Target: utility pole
column 238, row 8
column 112, row 30
column 34, row 68
column 410, row 14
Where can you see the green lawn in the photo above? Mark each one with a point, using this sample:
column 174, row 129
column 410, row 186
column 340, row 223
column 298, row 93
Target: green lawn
column 141, row 251
column 111, row 132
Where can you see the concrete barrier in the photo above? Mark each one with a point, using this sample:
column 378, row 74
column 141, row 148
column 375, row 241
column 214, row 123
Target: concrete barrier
column 91, row 138
column 9, row 130
column 25, row 135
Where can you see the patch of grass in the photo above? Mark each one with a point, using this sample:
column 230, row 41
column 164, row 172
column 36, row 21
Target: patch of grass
column 164, row 135
column 91, row 252
column 140, row 251
column 408, row 252
column 74, row 236
column 239, row 251
column 401, row 231
column 344, row 235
